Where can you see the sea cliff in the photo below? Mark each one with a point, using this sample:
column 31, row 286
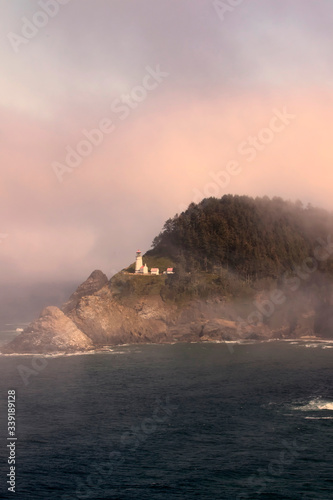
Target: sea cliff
column 241, row 268
column 107, row 316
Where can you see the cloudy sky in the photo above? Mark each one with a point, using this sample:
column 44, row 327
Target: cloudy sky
column 116, row 114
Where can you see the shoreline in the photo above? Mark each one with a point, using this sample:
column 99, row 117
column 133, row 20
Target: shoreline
column 110, row 348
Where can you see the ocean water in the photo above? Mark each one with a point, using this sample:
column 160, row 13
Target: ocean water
column 182, row 421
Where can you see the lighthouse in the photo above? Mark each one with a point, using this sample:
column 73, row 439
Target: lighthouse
column 138, row 262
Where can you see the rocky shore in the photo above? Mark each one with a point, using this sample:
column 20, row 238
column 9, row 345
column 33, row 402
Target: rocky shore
column 95, row 316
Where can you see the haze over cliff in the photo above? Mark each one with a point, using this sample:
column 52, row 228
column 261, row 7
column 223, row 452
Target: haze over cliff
column 244, row 269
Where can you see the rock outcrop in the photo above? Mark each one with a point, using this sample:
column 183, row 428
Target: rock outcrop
column 52, row 332
column 106, row 321
column 103, row 313
column 95, row 282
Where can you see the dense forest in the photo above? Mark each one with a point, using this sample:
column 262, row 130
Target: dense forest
column 237, row 249
column 255, row 238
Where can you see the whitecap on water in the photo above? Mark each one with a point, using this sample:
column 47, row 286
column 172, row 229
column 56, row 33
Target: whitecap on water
column 318, row 418
column 322, row 344
column 317, row 404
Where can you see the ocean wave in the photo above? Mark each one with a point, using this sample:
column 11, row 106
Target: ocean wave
column 318, row 418
column 18, row 354
column 320, row 344
column 50, row 355
column 317, row 404
column 222, row 342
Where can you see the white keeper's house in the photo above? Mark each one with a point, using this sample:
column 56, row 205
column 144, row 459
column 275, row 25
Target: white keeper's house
column 141, row 268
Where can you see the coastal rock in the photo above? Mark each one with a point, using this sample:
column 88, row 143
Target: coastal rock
column 122, row 312
column 154, row 308
column 105, row 321
column 52, row 332
column 95, row 282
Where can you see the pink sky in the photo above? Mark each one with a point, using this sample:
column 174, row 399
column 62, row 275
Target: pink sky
column 225, row 79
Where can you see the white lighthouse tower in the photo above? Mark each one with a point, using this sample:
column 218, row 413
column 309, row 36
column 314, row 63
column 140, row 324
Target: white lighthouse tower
column 138, row 262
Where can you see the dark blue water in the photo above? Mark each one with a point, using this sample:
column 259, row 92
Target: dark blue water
column 183, row 421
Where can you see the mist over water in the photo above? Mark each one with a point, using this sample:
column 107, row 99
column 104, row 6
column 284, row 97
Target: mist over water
column 23, row 302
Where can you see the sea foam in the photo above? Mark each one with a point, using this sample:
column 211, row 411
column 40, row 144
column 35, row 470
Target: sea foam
column 317, row 404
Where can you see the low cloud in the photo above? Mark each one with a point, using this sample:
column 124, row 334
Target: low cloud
column 225, row 80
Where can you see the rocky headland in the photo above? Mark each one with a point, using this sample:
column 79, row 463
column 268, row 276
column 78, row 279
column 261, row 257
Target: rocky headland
column 244, row 268
column 106, row 316
column 51, row 332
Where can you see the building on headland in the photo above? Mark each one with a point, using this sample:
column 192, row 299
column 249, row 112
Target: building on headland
column 169, row 271
column 141, row 268
column 138, row 262
column 144, row 269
